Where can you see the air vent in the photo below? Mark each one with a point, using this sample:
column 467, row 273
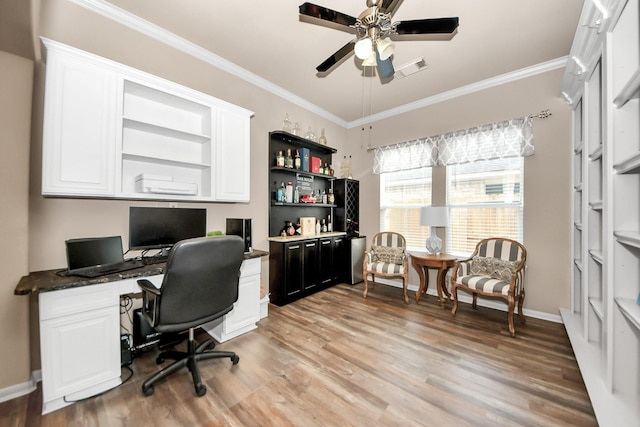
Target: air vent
column 412, row 67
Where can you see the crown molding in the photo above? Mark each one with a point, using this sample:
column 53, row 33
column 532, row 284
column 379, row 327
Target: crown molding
column 156, row 32
column 121, row 16
column 464, row 90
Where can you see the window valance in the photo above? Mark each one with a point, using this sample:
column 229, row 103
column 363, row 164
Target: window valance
column 508, row 138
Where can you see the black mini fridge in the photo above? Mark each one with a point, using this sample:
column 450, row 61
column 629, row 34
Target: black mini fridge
column 347, row 219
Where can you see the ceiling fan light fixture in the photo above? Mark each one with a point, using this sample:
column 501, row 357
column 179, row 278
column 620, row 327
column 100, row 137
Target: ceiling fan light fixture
column 363, row 48
column 370, row 61
column 385, row 67
column 385, row 48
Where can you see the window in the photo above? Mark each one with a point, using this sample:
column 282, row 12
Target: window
column 485, row 199
column 402, row 194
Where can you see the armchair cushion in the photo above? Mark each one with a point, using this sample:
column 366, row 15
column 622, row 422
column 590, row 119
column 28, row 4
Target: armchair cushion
column 485, row 284
column 495, row 268
column 388, row 254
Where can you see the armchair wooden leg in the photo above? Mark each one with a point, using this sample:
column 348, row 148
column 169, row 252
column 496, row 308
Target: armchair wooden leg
column 512, row 303
column 454, row 291
column 474, row 304
column 405, row 285
column 520, row 304
column 366, row 286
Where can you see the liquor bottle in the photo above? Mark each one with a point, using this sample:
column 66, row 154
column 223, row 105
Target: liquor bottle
column 289, row 193
column 326, row 169
column 281, row 193
column 288, row 161
column 296, row 162
column 329, row 224
column 324, row 226
column 317, row 226
column 331, row 199
column 324, row 198
column 280, row 159
column 296, row 195
column 322, row 139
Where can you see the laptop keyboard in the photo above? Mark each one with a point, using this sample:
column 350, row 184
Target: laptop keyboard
column 103, row 270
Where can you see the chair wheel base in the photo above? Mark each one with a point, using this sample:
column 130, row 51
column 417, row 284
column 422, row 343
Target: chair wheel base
column 147, row 391
column 201, row 390
column 235, row 359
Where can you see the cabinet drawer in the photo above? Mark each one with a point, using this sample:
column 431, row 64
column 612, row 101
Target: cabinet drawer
column 250, row 267
column 77, row 300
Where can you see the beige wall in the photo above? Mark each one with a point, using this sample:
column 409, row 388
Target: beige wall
column 16, row 77
column 547, row 173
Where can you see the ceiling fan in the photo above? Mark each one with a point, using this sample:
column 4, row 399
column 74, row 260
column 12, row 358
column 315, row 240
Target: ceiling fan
column 372, row 29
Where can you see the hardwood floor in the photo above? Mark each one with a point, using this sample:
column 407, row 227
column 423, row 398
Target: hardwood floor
column 336, row 359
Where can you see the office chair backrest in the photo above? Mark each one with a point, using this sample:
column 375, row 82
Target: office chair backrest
column 200, row 282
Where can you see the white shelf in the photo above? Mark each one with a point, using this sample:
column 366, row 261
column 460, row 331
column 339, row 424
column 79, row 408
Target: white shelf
column 630, row 165
column 164, row 161
column 578, row 226
column 164, row 131
column 596, row 305
column 630, row 309
column 596, row 154
column 596, row 255
column 596, row 205
column 578, row 187
column 578, row 263
column 630, row 90
column 629, row 238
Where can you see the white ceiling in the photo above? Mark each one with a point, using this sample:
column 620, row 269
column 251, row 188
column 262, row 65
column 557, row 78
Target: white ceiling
column 495, row 37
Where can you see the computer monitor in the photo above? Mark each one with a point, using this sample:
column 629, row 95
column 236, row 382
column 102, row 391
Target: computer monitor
column 161, row 228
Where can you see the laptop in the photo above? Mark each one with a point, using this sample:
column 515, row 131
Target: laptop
column 97, row 256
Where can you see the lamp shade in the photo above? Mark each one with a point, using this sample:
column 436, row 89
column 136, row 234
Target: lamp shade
column 363, row 48
column 434, row 216
column 385, row 48
column 385, row 67
column 370, row 61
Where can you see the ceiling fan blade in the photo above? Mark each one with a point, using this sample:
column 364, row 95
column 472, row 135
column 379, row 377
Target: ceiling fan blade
column 320, row 12
column 336, row 57
column 428, row 26
column 390, row 6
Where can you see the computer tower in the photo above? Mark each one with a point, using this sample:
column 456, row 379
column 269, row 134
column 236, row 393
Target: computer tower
column 347, row 198
column 240, row 227
column 143, row 334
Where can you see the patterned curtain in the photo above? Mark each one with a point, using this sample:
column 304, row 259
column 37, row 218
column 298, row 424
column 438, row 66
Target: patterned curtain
column 509, row 138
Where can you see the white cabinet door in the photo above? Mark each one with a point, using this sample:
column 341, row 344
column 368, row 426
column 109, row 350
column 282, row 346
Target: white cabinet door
column 79, row 128
column 80, row 345
column 232, row 156
column 246, row 311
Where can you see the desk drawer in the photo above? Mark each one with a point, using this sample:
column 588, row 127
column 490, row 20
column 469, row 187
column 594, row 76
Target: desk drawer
column 250, row 267
column 77, row 300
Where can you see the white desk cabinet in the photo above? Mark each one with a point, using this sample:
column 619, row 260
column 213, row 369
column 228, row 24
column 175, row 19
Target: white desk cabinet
column 246, row 311
column 80, row 345
column 80, row 332
column 114, row 131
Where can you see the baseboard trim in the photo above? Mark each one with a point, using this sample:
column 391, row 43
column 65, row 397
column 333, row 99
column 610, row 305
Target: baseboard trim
column 482, row 302
column 17, row 390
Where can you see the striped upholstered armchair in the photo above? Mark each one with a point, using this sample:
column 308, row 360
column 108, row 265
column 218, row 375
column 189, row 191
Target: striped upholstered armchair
column 388, row 258
column 495, row 269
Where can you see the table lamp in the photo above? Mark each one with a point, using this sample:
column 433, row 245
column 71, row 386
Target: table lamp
column 434, row 216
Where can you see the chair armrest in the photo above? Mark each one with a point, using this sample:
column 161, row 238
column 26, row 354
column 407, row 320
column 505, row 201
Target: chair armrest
column 462, row 268
column 149, row 296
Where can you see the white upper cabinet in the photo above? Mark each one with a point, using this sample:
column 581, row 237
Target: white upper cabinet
column 79, row 130
column 113, row 131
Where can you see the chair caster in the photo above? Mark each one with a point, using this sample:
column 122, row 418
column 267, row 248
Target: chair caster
column 235, row 359
column 159, row 360
column 201, row 390
column 148, row 391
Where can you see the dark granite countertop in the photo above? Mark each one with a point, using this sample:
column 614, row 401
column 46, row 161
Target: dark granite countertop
column 53, row 280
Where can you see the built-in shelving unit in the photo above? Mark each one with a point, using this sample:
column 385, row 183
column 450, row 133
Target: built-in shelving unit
column 115, row 132
column 604, row 320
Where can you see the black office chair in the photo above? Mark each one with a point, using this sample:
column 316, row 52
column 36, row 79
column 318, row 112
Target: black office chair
column 200, row 285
